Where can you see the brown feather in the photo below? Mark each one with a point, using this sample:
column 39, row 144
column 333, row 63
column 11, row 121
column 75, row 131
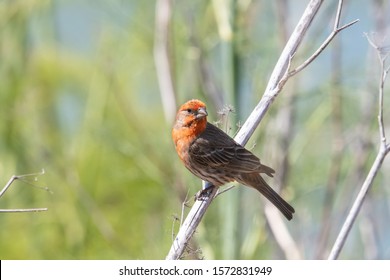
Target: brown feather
column 256, row 181
column 215, row 157
column 216, row 148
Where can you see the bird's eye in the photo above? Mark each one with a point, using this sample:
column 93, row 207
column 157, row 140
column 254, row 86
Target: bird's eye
column 189, row 110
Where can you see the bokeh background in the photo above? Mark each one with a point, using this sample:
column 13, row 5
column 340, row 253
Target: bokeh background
column 80, row 98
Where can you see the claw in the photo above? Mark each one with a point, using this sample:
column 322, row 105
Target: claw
column 205, row 192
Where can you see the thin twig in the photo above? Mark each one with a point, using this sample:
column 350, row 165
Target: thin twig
column 331, row 36
column 22, row 210
column 225, row 190
column 21, row 177
column 190, row 224
column 175, row 219
column 183, row 205
column 383, row 151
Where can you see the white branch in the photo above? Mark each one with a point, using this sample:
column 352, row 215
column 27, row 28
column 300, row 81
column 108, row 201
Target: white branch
column 276, row 82
column 383, row 151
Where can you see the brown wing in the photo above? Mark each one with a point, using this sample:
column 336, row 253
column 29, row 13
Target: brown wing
column 217, row 149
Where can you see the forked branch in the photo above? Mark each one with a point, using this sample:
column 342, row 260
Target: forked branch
column 384, row 149
column 22, row 177
column 278, row 78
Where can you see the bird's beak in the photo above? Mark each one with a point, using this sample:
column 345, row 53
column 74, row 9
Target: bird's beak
column 201, row 113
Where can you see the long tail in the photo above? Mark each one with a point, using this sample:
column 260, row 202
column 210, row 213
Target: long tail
column 254, row 180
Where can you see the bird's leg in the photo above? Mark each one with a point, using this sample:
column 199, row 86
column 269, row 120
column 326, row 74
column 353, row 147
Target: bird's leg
column 205, row 192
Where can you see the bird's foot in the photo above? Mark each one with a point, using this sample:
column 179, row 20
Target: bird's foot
column 204, row 193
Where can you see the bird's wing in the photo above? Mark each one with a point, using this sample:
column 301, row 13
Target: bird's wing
column 216, row 149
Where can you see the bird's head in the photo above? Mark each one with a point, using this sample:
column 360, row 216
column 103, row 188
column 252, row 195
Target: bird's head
column 191, row 118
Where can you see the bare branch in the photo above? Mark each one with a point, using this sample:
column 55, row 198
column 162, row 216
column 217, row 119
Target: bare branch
column 225, row 190
column 331, row 36
column 383, row 151
column 24, row 210
column 21, row 177
column 189, row 226
column 277, row 80
column 338, row 15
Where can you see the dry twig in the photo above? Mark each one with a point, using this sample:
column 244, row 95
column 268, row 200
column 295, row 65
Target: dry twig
column 384, row 149
column 21, row 177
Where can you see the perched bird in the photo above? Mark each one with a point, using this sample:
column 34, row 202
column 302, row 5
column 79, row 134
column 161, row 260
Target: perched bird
column 212, row 155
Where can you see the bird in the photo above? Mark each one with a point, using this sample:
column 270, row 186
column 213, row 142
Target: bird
column 213, row 156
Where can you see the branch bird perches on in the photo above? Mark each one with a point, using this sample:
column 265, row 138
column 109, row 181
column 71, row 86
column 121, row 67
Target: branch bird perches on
column 278, row 79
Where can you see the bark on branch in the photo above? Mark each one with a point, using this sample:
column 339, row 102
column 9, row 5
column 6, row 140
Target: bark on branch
column 279, row 77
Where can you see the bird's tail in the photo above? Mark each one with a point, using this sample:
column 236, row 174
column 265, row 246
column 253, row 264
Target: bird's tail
column 256, row 181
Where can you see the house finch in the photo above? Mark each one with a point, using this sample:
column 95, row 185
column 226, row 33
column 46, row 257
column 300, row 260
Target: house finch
column 212, row 155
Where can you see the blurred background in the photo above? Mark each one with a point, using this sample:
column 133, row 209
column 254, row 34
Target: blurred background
column 89, row 90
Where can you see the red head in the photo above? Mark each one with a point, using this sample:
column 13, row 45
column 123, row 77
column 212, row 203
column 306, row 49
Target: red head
column 191, row 120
